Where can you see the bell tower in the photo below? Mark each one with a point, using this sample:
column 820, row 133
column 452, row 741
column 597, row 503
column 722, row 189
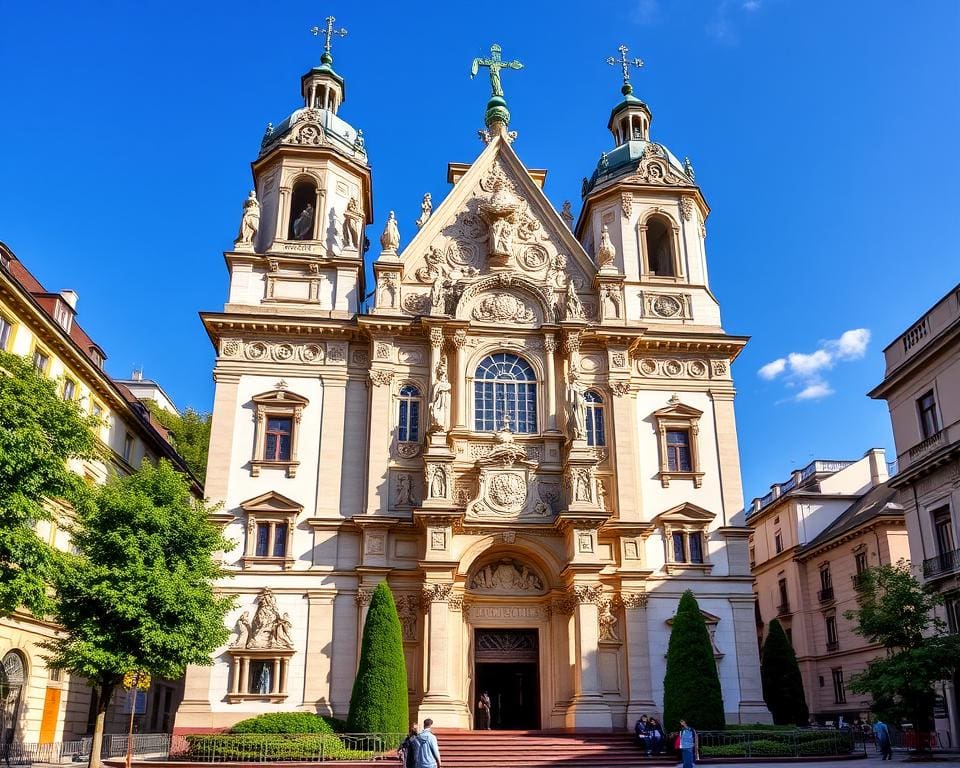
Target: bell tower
column 302, row 238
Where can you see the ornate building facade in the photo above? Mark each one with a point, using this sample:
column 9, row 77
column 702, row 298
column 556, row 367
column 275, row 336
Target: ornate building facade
column 530, row 434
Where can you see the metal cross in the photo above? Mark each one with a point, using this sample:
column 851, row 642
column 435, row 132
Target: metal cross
column 625, row 63
column 328, row 32
column 495, row 63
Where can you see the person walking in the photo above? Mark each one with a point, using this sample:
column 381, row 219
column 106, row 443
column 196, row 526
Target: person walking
column 881, row 732
column 483, row 712
column 687, row 744
column 429, row 748
column 409, row 751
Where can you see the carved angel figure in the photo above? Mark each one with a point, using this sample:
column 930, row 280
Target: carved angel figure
column 243, row 631
column 574, row 309
column 250, row 222
column 303, row 224
column 390, row 239
column 281, row 632
column 440, row 399
column 264, row 621
column 608, row 622
column 438, row 484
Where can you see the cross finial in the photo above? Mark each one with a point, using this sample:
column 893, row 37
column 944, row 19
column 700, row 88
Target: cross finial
column 496, row 107
column 328, row 32
column 625, row 64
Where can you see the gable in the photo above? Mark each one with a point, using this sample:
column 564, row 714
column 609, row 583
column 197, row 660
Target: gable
column 685, row 514
column 496, row 223
column 271, row 502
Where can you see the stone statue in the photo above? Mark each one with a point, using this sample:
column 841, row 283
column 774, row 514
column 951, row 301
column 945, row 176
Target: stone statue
column 250, row 222
column 404, row 490
column 264, row 679
column 574, row 309
column 438, row 484
column 601, row 496
column 243, row 631
column 438, row 291
column 440, row 399
column 576, row 408
column 606, row 251
column 264, row 621
column 351, row 225
column 501, row 237
column 581, row 486
column 281, row 632
column 608, row 622
column 408, row 608
column 426, row 208
column 390, row 239
column 567, row 214
column 303, row 225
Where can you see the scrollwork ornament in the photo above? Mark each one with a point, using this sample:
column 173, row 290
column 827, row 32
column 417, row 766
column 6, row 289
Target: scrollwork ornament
column 620, row 388
column 633, row 600
column 686, row 207
column 364, row 596
column 626, row 203
column 380, row 377
column 586, row 593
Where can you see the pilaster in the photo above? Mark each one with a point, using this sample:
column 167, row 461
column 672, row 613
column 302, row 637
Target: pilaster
column 751, row 707
column 317, row 666
column 221, row 434
column 334, row 430
column 588, row 709
column 728, row 455
column 637, row 649
column 381, row 420
column 625, row 452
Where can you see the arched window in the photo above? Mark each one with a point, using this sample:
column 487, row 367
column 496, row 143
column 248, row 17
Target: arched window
column 302, row 213
column 408, row 422
column 505, row 394
column 659, row 242
column 595, row 433
column 14, row 677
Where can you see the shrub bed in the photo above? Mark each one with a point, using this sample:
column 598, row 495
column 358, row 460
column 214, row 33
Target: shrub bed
column 775, row 743
column 284, row 722
column 265, row 746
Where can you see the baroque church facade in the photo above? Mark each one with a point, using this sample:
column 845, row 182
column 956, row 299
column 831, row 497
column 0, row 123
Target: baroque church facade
column 530, row 434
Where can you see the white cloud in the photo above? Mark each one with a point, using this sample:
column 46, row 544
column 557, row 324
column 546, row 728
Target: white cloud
column 646, row 12
column 806, row 369
column 751, row 5
column 773, row 369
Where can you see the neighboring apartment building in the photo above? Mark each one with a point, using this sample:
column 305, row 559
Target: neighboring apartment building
column 812, row 537
column 42, row 705
column 922, row 388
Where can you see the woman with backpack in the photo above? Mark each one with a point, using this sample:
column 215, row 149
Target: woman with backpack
column 687, row 744
column 409, row 751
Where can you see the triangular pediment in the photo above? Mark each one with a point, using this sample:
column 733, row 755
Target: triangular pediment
column 279, row 397
column 678, row 410
column 495, row 227
column 271, row 502
column 685, row 513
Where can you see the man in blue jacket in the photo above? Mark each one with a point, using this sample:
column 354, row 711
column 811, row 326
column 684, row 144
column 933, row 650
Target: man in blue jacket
column 429, row 749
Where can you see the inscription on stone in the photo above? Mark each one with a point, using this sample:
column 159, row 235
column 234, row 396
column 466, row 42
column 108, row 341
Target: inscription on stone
column 506, row 612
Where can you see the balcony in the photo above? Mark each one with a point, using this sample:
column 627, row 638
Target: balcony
column 930, row 444
column 783, row 609
column 832, row 646
column 825, row 595
column 942, row 565
column 858, row 579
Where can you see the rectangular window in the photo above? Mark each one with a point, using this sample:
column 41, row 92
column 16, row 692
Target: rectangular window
column 753, row 557
column 943, row 531
column 839, row 695
column 778, row 542
column 927, row 410
column 679, row 551
column 678, row 451
column 40, row 360
column 97, row 410
column 695, row 542
column 69, row 389
column 263, row 540
column 63, row 315
column 951, row 605
column 860, row 560
column 831, row 622
column 271, row 540
column 278, row 439
column 127, row 447
column 826, row 580
column 784, row 597
column 6, row 330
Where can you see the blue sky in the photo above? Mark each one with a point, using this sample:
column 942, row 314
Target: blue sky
column 823, row 135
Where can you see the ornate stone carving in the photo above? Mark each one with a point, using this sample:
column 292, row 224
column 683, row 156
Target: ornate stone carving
column 282, row 351
column 620, row 388
column 459, row 338
column 408, row 610
column 353, row 225
column 585, row 593
column 436, row 479
column 390, row 239
column 576, row 408
column 456, row 602
column 655, row 168
column 507, row 490
column 611, row 302
column 416, row 303
column 269, row 629
column 435, row 593
column 436, row 337
column 607, row 621
column 619, row 359
column 719, row 367
column 666, row 306
column 564, row 605
column 380, row 377
column 426, row 208
column 573, row 309
column 364, row 596
column 626, row 203
column 633, row 600
column 407, row 449
column 567, row 214
column 686, row 207
column 509, row 537
column 231, row 347
column 502, row 308
column 606, row 253
column 697, row 369
column 440, row 397
column 501, row 213
column 404, row 496
column 249, row 223
column 672, row 368
column 505, row 577
column 381, row 351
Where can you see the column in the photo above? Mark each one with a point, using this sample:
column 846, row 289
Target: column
column 629, row 494
column 244, row 675
column 235, row 676
column 319, row 215
column 953, row 716
column 459, row 370
column 637, row 647
column 316, row 676
column 381, row 419
column 275, row 687
column 752, row 708
column 283, row 214
column 438, row 703
column 550, row 347
column 588, row 709
column 333, row 433
column 221, row 434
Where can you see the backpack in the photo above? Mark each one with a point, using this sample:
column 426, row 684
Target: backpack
column 411, row 751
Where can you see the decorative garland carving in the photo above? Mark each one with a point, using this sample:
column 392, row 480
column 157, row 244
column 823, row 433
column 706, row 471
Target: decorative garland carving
column 633, row 600
column 380, row 377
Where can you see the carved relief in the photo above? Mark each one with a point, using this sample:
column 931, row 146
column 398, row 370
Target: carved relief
column 380, row 377
column 626, row 203
column 505, row 577
column 269, row 629
column 408, row 609
column 503, row 308
column 416, row 303
column 281, row 352
column 404, row 493
column 633, row 600
column 607, row 621
column 695, row 368
column 686, row 207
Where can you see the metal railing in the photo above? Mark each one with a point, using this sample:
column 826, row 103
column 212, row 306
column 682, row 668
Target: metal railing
column 926, row 445
column 783, row 609
column 801, row 742
column 942, row 564
column 114, row 745
column 832, row 645
column 297, row 747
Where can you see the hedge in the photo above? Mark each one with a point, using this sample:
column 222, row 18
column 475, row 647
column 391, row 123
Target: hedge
column 284, row 722
column 260, row 746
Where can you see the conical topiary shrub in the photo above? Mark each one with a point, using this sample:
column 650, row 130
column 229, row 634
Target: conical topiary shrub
column 691, row 687
column 378, row 703
column 780, row 674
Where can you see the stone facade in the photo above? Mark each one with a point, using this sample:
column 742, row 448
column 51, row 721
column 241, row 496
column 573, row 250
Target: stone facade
column 530, row 436
column 921, row 385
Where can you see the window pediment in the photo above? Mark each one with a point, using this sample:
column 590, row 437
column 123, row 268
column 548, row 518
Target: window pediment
column 271, row 502
column 679, row 411
column 280, row 397
column 685, row 514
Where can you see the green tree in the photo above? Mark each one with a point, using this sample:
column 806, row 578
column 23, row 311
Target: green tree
column 691, row 686
column 39, row 433
column 897, row 612
column 780, row 674
column 138, row 595
column 378, row 703
column 190, row 433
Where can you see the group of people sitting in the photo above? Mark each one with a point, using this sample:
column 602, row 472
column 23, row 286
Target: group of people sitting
column 649, row 735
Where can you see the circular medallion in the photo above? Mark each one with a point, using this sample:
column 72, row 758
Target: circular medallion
column 257, row 350
column 672, row 368
column 507, row 491
column 311, row 352
column 283, row 352
column 534, row 257
column 648, row 367
column 666, row 306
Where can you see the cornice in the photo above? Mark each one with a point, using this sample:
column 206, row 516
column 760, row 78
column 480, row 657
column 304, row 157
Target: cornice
column 882, row 521
column 220, row 323
column 680, row 341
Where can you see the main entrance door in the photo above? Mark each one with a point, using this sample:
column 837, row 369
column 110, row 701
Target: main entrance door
column 508, row 670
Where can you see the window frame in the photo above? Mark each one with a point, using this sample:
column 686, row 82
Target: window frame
column 7, row 328
column 129, row 443
column 39, row 351
column 73, row 386
column 271, row 510
column 673, row 231
column 832, row 634
column 595, row 407
column 405, row 423
column 530, row 391
column 928, row 410
column 839, row 692
column 276, row 404
column 679, row 417
column 678, row 527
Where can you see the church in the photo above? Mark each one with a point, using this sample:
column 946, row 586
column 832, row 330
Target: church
column 525, row 426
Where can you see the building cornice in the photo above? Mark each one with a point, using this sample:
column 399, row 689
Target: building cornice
column 916, row 362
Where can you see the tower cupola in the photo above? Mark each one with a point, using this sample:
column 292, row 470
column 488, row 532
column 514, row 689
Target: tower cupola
column 630, row 119
column 322, row 87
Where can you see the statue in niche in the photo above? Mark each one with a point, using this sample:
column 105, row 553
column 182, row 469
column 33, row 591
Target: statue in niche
column 351, row 225
column 243, row 631
column 608, row 622
column 440, row 399
column 605, row 252
column 438, row 291
column 601, row 496
column 581, row 485
column 388, row 292
column 281, row 632
column 390, row 239
column 576, row 408
column 426, row 208
column 438, row 484
column 264, row 621
column 303, row 224
column 405, row 490
column 611, row 302
column 250, row 222
column 574, row 309
column 500, row 214
column 264, row 679
column 501, row 237
column 506, row 576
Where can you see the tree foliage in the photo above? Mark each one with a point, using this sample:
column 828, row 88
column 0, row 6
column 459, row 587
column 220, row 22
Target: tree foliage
column 691, row 684
column 190, row 433
column 782, row 683
column 378, row 703
column 39, row 433
column 138, row 595
column 897, row 611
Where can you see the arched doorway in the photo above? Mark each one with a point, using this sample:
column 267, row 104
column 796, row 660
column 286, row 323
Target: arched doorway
column 13, row 678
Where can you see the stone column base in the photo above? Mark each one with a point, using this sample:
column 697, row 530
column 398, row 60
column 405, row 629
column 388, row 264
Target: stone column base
column 754, row 712
column 637, row 708
column 445, row 713
column 589, row 713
